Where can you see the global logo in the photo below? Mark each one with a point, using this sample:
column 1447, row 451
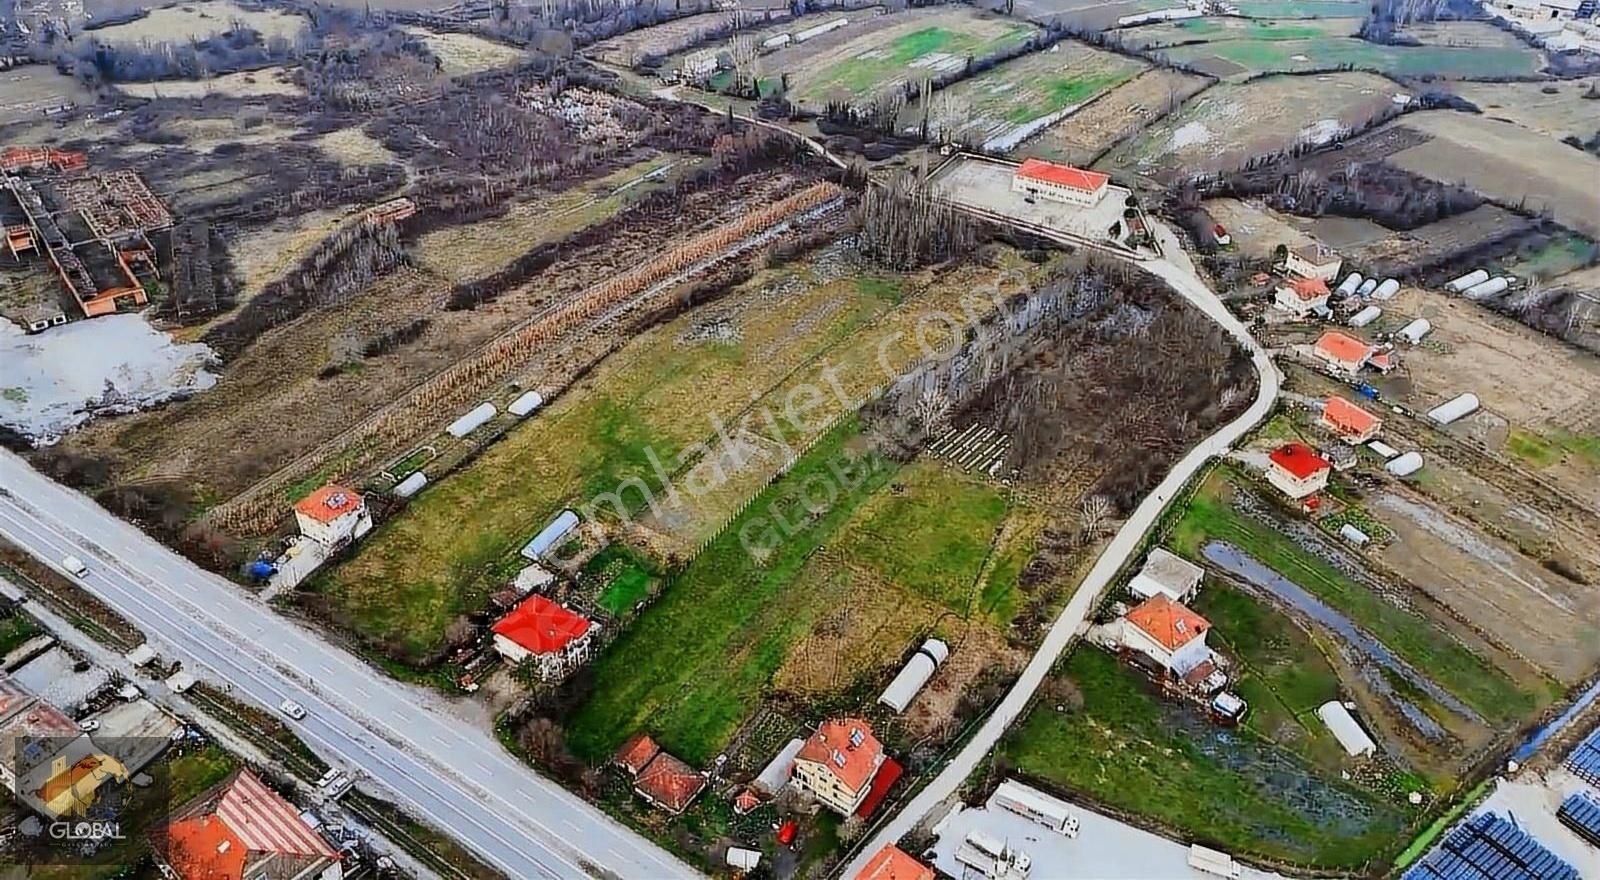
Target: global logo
column 85, row 831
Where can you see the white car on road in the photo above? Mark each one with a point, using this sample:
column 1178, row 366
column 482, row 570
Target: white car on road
column 75, row 566
column 292, row 709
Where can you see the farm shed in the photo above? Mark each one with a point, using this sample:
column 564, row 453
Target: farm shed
column 820, row 29
column 551, row 535
column 775, row 775
column 1354, row 535
column 741, row 859
column 1383, row 449
column 1492, row 287
column 1346, row 729
column 917, row 671
column 532, row 577
column 1350, row 283
column 411, row 485
column 1367, row 287
column 526, row 405
column 1414, row 331
column 1475, row 277
column 1387, row 289
column 1166, row 572
column 1405, row 465
column 1365, row 316
column 1455, row 409
column 472, row 420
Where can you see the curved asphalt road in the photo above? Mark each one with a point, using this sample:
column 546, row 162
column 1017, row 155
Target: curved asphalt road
column 443, row 770
column 1177, row 271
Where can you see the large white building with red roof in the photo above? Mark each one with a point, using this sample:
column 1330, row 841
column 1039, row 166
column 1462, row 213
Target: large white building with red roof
column 333, row 516
column 1062, row 183
column 553, row 638
column 243, row 830
column 838, row 763
column 1297, row 470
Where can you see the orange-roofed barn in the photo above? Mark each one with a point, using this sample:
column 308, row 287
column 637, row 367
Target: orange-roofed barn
column 1341, row 351
column 333, row 516
column 636, row 753
column 1167, row 632
column 1301, row 296
column 243, row 830
column 893, row 863
column 668, row 783
column 1297, row 470
column 539, row 631
column 838, row 762
column 1061, row 183
column 1351, row 423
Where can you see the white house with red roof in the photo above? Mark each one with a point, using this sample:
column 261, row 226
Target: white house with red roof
column 555, row 639
column 1342, row 352
column 333, row 516
column 1169, row 633
column 243, row 830
column 838, row 763
column 1297, row 471
column 1350, row 422
column 1061, row 183
column 1301, row 296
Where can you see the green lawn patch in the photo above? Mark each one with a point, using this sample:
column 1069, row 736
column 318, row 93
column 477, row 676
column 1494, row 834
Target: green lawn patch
column 694, row 665
column 1301, row 8
column 1418, row 641
column 930, row 533
column 860, row 76
column 623, row 576
column 1230, row 789
column 15, row 630
column 1543, row 450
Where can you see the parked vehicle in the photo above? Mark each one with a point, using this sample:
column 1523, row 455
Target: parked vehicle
column 292, row 709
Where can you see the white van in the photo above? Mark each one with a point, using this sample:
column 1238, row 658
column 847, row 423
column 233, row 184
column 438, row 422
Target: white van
column 75, row 565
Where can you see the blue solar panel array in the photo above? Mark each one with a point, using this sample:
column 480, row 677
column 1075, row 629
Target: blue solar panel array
column 1488, row 847
column 1581, row 813
column 1585, row 759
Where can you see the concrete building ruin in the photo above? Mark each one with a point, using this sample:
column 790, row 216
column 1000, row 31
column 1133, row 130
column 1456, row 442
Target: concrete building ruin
column 91, row 228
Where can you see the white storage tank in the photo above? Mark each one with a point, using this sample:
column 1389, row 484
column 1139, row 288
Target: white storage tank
column 917, row 671
column 526, row 405
column 1405, row 465
column 1349, row 284
column 1456, row 408
column 1476, row 276
column 474, row 419
column 411, row 485
column 1492, row 287
column 1414, row 331
column 1365, row 316
column 1387, row 289
column 1367, row 287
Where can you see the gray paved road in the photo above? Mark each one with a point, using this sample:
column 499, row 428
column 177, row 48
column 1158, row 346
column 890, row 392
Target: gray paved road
column 443, row 770
column 1177, row 271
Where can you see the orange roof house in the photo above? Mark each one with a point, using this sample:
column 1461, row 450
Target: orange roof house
column 1350, row 422
column 838, row 762
column 636, row 753
column 668, row 783
column 893, row 863
column 241, row 829
column 329, row 503
column 1059, row 182
column 1342, row 351
column 333, row 515
column 1297, row 471
column 553, row 638
column 1300, row 296
column 1168, row 633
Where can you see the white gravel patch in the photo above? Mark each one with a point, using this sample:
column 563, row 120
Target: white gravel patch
column 57, row 380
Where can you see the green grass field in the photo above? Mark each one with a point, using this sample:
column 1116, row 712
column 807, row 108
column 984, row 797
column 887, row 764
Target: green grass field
column 906, row 57
column 1424, row 645
column 1544, row 450
column 621, row 574
column 1288, row 55
column 1302, row 8
column 1212, row 30
column 15, row 630
column 1127, row 749
column 693, row 666
column 1036, row 85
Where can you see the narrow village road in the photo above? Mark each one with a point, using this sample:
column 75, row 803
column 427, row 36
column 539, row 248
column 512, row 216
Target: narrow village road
column 1178, row 271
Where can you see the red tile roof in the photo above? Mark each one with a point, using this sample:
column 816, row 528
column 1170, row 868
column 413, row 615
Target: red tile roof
column 847, row 748
column 1062, row 175
column 1342, row 347
column 669, row 783
column 745, row 801
column 541, row 626
column 893, row 863
column 1299, row 460
column 637, row 752
column 249, row 820
column 1309, row 288
column 1170, row 623
column 329, row 503
column 1347, row 419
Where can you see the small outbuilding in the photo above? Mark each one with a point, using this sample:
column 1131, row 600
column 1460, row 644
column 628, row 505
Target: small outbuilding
column 914, row 675
column 1414, row 331
column 551, row 535
column 1166, row 573
column 1405, row 465
column 1346, row 729
column 411, row 485
column 669, row 784
column 471, row 420
column 1456, row 408
column 526, row 405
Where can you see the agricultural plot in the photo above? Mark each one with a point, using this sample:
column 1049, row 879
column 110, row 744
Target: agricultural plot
column 464, row 54
column 661, row 40
column 1084, row 15
column 1084, row 135
column 857, row 63
column 244, row 84
column 1004, row 106
column 186, row 22
column 1555, row 109
column 1226, row 124
column 1242, row 48
column 1507, row 163
column 1283, row 9
column 1437, row 242
column 1100, row 733
column 26, row 92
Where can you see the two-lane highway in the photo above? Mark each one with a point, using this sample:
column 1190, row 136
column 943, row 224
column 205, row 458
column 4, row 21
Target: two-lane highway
column 409, row 749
